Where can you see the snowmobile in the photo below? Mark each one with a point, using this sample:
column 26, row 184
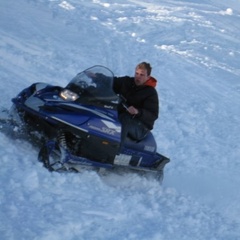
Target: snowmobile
column 79, row 126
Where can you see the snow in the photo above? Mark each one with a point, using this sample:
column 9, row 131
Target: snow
column 194, row 49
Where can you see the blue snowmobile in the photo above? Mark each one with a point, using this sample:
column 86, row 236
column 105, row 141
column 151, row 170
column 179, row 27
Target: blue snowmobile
column 80, row 126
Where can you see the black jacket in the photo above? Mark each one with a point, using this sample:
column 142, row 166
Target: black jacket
column 144, row 98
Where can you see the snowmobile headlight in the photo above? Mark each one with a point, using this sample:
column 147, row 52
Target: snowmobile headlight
column 68, row 95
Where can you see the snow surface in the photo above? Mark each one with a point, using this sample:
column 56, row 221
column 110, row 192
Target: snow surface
column 194, row 48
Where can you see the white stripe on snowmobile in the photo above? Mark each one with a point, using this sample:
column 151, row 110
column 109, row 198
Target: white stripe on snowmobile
column 67, row 123
column 87, row 109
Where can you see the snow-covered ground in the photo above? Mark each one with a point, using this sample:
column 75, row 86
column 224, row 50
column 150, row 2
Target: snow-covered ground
column 194, row 48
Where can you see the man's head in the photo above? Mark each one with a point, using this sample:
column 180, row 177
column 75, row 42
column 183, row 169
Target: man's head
column 142, row 73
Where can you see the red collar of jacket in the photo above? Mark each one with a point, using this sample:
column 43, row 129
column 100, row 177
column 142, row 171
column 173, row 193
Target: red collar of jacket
column 152, row 82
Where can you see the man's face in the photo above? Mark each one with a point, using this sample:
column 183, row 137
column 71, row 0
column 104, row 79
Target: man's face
column 141, row 76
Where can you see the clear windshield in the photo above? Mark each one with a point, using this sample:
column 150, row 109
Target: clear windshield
column 94, row 85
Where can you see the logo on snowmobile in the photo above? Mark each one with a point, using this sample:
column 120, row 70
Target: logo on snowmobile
column 107, row 127
column 108, row 106
column 112, row 126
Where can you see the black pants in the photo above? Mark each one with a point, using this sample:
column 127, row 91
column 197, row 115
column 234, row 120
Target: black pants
column 132, row 128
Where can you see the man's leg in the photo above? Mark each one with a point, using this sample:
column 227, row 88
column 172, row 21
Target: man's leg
column 137, row 131
column 132, row 127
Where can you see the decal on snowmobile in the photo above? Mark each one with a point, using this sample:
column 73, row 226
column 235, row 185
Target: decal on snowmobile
column 34, row 103
column 112, row 125
column 149, row 148
column 122, row 159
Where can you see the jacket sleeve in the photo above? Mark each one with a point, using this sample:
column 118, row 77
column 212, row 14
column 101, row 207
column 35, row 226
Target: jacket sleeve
column 150, row 110
column 118, row 84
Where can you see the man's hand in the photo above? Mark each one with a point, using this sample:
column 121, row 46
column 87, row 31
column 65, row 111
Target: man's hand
column 132, row 110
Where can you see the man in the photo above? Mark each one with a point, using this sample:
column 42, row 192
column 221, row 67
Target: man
column 139, row 109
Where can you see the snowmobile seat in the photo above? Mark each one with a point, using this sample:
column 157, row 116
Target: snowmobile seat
column 146, row 144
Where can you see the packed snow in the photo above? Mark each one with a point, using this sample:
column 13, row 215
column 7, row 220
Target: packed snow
column 194, row 49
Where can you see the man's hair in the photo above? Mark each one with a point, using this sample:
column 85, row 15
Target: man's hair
column 145, row 65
